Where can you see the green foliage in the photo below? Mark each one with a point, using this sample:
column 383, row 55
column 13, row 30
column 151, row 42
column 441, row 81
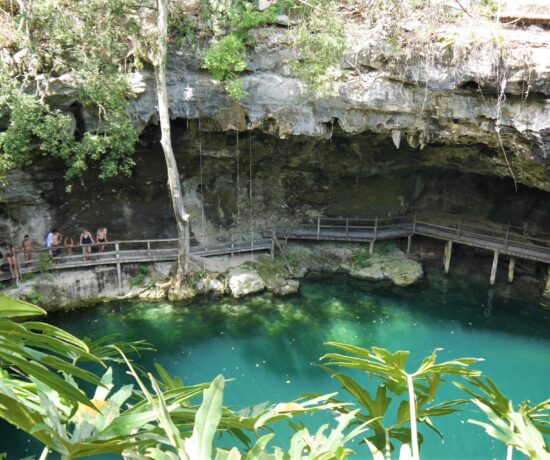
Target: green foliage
column 40, row 394
column 12, row 308
column 138, row 280
column 389, row 368
column 321, row 43
column 225, row 58
column 144, row 270
column 361, row 259
column 91, row 42
column 45, row 262
column 35, row 297
column 384, row 248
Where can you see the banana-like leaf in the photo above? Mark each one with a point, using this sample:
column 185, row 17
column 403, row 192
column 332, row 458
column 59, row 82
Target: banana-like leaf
column 519, row 433
column 199, row 445
column 12, row 308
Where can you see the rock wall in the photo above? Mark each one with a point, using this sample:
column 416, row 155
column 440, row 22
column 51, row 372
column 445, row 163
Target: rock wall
column 392, row 137
column 291, row 178
column 443, row 109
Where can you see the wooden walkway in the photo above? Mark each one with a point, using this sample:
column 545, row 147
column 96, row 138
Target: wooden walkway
column 510, row 241
column 139, row 251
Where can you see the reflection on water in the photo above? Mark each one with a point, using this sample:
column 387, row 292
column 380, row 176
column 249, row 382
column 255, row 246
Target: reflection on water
column 269, row 345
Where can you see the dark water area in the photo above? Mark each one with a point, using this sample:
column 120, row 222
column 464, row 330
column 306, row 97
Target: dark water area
column 270, row 345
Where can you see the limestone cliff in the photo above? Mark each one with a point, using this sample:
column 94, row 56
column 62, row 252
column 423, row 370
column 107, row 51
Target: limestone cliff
column 446, row 103
column 392, row 136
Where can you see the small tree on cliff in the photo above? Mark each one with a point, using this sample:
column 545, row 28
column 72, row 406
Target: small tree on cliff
column 159, row 62
column 69, row 37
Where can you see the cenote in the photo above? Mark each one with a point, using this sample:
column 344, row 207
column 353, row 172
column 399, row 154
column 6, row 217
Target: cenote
column 270, row 345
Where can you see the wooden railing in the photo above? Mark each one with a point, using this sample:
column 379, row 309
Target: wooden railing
column 509, row 238
column 139, row 250
column 349, row 225
column 507, row 234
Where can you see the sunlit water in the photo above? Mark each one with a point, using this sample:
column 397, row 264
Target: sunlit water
column 270, row 345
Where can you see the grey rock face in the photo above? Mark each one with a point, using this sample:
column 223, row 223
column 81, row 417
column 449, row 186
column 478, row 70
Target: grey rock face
column 449, row 100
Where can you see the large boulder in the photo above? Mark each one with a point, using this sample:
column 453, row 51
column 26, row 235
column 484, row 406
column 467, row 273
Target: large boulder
column 285, row 287
column 210, row 285
column 394, row 267
column 242, row 282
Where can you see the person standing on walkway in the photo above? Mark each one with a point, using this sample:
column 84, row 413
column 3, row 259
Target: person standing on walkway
column 28, row 249
column 86, row 241
column 11, row 259
column 69, row 244
column 49, row 240
column 101, row 237
column 56, row 243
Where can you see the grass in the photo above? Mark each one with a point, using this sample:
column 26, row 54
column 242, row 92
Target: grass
column 138, row 280
column 35, row 297
column 363, row 258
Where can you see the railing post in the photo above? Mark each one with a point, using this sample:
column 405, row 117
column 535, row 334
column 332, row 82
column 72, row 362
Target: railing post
column 494, row 268
column 148, row 249
column 272, row 244
column 318, row 227
column 375, row 226
column 232, row 245
column 18, row 264
column 414, row 223
column 507, row 235
column 118, row 268
column 347, row 226
column 447, row 256
column 458, row 228
column 511, row 267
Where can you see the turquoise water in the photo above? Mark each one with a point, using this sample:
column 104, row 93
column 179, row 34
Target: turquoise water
column 270, row 345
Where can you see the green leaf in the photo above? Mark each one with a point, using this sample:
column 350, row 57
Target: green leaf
column 199, row 445
column 12, row 308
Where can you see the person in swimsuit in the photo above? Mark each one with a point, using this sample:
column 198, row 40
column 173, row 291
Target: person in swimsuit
column 11, row 259
column 28, row 249
column 86, row 240
column 101, row 236
column 69, row 244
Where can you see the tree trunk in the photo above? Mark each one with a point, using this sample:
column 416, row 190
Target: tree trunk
column 182, row 218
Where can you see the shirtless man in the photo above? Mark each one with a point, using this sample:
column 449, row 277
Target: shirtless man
column 11, row 259
column 56, row 242
column 101, row 237
column 28, row 249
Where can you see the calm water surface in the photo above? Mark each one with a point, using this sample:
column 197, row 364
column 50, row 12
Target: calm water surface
column 270, row 345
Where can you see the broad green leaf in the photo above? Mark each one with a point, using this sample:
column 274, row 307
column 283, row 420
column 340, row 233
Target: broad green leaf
column 258, row 451
column 12, row 308
column 199, row 445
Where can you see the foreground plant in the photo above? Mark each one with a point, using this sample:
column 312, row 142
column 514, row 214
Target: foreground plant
column 421, row 386
column 520, row 427
column 40, row 393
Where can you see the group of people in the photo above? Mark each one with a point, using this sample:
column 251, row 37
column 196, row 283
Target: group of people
column 55, row 243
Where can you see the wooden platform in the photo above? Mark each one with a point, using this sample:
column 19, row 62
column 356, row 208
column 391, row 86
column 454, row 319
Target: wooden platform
column 510, row 241
column 140, row 251
column 507, row 240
